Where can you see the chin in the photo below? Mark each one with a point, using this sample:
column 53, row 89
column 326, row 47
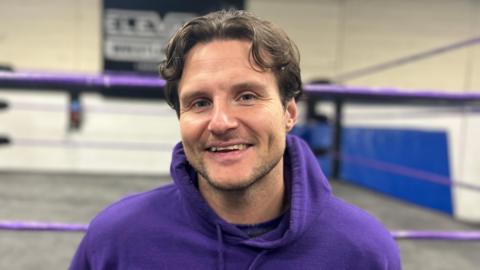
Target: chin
column 228, row 184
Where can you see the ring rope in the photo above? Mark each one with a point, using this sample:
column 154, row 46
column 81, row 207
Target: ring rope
column 130, row 110
column 88, row 82
column 144, row 146
column 371, row 94
column 17, row 225
column 134, row 146
column 95, row 83
column 168, row 112
column 407, row 171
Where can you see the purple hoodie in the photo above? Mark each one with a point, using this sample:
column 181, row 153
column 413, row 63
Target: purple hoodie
column 172, row 227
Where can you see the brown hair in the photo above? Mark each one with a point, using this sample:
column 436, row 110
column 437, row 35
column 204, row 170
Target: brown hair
column 271, row 49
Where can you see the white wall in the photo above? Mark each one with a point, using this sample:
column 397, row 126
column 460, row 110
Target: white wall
column 51, row 34
column 334, row 36
column 64, row 35
column 118, row 136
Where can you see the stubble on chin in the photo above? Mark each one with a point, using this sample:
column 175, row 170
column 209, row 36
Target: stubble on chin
column 236, row 185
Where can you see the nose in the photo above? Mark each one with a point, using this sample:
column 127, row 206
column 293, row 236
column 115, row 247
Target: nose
column 222, row 119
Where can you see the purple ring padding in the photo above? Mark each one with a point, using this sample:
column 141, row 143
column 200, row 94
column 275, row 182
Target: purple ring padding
column 68, row 227
column 64, row 81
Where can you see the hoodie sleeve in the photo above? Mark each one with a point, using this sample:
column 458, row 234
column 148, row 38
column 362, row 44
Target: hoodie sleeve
column 81, row 259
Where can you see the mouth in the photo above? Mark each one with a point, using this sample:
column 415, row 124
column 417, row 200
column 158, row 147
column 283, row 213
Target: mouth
column 228, row 148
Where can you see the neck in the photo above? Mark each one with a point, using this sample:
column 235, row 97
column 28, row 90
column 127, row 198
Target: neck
column 262, row 201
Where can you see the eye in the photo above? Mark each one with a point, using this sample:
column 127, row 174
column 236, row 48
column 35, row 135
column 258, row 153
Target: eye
column 200, row 103
column 247, row 97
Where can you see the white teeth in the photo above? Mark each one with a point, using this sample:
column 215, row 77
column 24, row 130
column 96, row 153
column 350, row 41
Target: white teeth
column 228, row 148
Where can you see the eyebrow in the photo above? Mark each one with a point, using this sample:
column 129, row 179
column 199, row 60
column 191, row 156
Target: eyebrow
column 253, row 85
column 248, row 85
column 191, row 96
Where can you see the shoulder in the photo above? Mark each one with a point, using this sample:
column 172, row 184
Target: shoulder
column 361, row 234
column 128, row 220
column 136, row 210
column 355, row 224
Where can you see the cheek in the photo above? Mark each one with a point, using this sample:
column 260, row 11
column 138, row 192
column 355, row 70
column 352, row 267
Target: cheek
column 270, row 123
column 277, row 119
column 191, row 129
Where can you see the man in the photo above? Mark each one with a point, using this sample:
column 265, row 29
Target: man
column 246, row 195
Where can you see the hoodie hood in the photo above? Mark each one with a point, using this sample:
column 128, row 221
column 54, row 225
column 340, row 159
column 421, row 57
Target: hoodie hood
column 308, row 193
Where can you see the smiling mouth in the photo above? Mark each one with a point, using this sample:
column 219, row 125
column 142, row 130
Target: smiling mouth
column 234, row 147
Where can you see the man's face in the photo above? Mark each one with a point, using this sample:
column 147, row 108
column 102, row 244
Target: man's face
column 232, row 121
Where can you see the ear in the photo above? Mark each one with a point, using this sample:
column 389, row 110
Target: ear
column 291, row 114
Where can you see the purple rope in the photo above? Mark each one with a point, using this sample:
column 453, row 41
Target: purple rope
column 435, row 113
column 32, row 80
column 437, row 235
column 168, row 112
column 15, row 225
column 65, row 80
column 371, row 94
column 406, row 59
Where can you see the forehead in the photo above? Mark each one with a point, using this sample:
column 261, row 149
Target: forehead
column 221, row 62
column 217, row 54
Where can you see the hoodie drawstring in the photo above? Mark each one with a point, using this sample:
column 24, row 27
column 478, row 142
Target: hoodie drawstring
column 254, row 263
column 220, row 251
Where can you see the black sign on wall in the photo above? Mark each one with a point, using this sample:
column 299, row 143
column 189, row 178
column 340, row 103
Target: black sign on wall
column 135, row 32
